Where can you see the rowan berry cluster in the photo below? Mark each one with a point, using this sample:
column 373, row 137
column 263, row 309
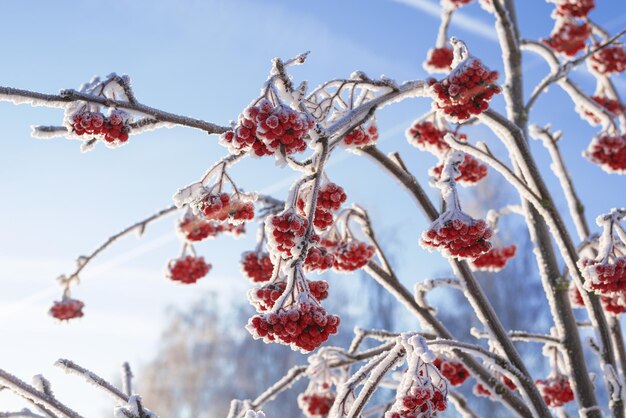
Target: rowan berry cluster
column 113, row 129
column 494, row 259
column 568, row 37
column 609, row 152
column 303, row 326
column 316, row 405
column 439, row 60
column 361, row 136
column 480, row 390
column 472, row 171
column 286, row 231
column 265, row 128
column 318, row 259
column 465, row 92
column 352, row 254
column 257, row 266
column 608, row 60
column 428, row 137
column 556, row 390
column 420, row 403
column 604, row 277
column 188, row 269
column 264, row 297
column 452, row 370
column 330, row 197
column 573, row 8
column 194, row 228
column 222, row 207
column 67, row 309
column 459, row 236
column 613, row 303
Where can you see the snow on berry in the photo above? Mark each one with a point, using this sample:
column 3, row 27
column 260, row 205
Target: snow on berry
column 422, row 392
column 188, row 269
column 608, row 60
column 361, row 136
column 282, row 128
column 439, row 60
column 194, row 228
column 222, row 207
column 472, row 171
column 452, row 370
column 257, row 266
column 329, row 199
column 318, row 259
column 316, row 405
column 455, row 233
column 264, row 297
column 351, row 255
column 243, row 137
column 494, row 259
column 568, row 37
column 572, row 8
column 285, row 233
column 604, row 277
column 67, row 309
column 609, row 152
column 467, row 90
column 575, row 298
column 555, row 390
column 113, row 129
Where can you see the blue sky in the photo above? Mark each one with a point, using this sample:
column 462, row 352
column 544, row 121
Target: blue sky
column 206, row 59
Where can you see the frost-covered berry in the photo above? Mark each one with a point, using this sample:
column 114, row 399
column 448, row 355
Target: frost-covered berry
column 615, row 303
column 318, row 259
column 568, row 37
column 426, row 136
column 222, row 207
column 188, row 269
column 439, row 60
column 285, row 231
column 572, row 8
column 244, row 136
column 494, row 259
column 465, row 92
column 304, row 326
column 352, row 255
column 67, row 309
column 608, row 60
column 194, row 228
column 257, row 266
column 316, row 405
column 452, row 370
column 604, row 277
column 609, row 152
column 472, row 171
column 282, row 128
column 361, row 136
column 555, row 390
column 318, row 288
column 264, row 297
column 330, row 197
column 458, row 235
column 113, row 129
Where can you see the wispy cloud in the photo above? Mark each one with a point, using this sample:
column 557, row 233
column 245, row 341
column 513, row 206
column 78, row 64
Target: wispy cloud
column 460, row 19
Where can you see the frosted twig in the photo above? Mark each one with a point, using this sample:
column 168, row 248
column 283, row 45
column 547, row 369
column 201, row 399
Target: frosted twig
column 24, row 413
column 127, row 379
column 70, row 367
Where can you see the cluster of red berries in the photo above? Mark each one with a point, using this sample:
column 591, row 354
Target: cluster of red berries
column 352, row 255
column 316, row 405
column 613, row 303
column 285, row 231
column 360, row 136
column 257, row 266
column 604, row 278
column 480, row 390
column 608, row 60
column 330, row 197
column 568, row 37
column 495, row 259
column 319, row 259
column 194, row 228
column 556, row 390
column 573, row 8
column 439, row 60
column 266, row 128
column 113, row 129
column 305, row 326
column 428, row 137
column 265, row 296
column 472, row 171
column 466, row 91
column 419, row 402
column 67, row 309
column 458, row 238
column 452, row 370
column 613, row 106
column 609, row 152
column 222, row 206
column 188, row 269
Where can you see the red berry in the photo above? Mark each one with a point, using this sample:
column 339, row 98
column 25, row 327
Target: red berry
column 188, row 269
column 608, row 60
column 316, row 405
column 439, row 60
column 67, row 309
column 556, row 390
column 352, row 255
column 495, row 259
column 361, row 136
column 452, row 370
column 257, row 266
column 609, row 152
column 286, row 231
column 568, row 37
column 460, row 237
column 573, row 8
